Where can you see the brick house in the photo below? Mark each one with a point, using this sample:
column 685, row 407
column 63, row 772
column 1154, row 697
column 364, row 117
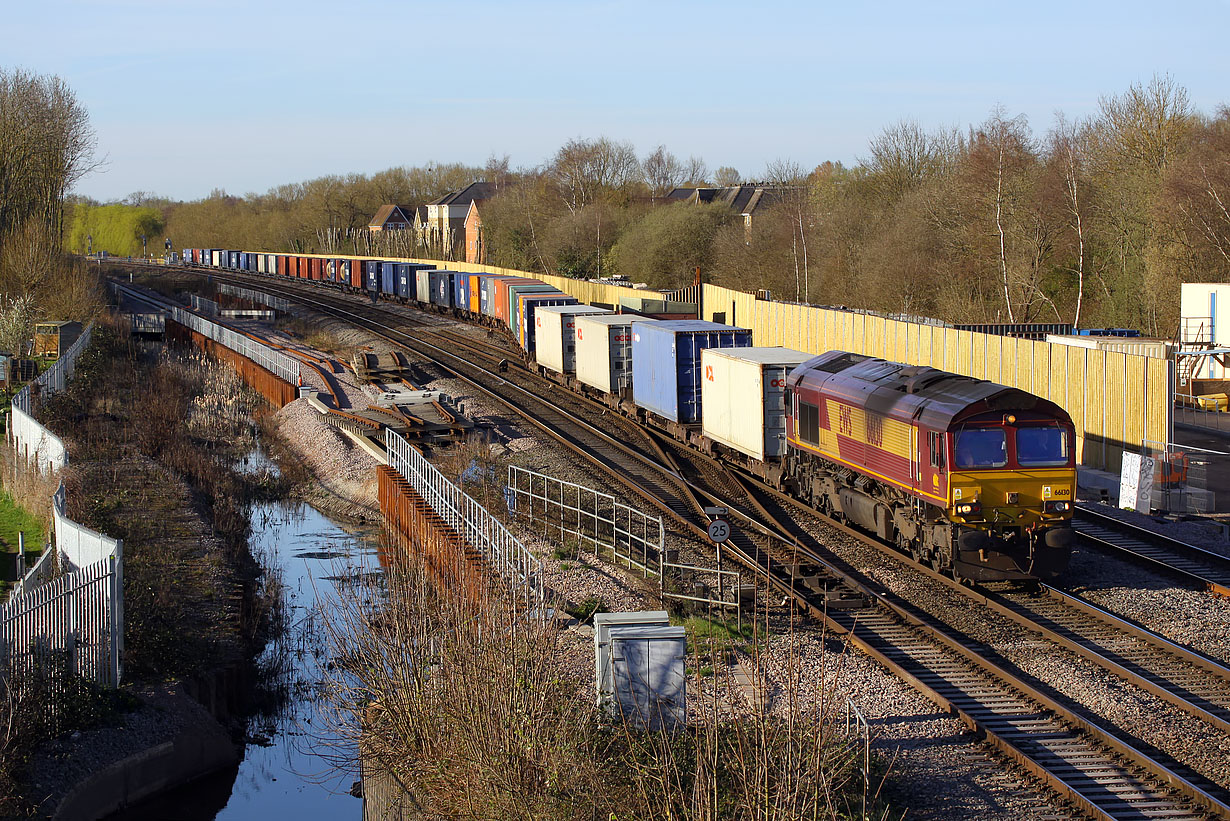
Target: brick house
column 392, row 218
column 446, row 219
column 476, row 247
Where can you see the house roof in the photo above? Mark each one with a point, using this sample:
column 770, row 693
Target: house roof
column 467, row 195
column 743, row 198
column 390, row 213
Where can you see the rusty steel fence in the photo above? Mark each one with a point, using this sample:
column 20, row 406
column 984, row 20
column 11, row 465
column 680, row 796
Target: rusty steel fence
column 502, row 552
column 634, row 538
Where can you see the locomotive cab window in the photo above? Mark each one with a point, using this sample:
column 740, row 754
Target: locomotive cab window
column 1042, row 447
column 809, row 423
column 980, row 448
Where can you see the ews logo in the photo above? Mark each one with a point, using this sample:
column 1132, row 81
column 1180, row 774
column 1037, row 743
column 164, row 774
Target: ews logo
column 845, row 421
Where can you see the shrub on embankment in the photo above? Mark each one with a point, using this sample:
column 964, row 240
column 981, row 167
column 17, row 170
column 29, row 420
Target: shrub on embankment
column 479, row 714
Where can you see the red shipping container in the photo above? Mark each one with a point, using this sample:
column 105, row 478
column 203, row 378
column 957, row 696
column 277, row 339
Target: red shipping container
column 501, row 294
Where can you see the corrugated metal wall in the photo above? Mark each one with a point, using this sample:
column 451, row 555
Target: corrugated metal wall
column 1116, row 400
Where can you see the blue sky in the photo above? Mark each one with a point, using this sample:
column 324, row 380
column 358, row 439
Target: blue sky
column 190, row 96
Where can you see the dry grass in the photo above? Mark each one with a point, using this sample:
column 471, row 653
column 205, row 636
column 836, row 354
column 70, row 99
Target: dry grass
column 474, row 712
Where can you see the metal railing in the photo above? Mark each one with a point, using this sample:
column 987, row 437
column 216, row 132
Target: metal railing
column 501, row 551
column 634, row 538
column 259, row 297
column 283, row 366
column 204, row 306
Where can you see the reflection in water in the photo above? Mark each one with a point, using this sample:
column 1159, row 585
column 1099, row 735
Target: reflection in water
column 290, row 764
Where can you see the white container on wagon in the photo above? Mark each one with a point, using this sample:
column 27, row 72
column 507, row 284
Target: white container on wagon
column 743, row 398
column 1136, row 345
column 604, row 352
column 555, row 337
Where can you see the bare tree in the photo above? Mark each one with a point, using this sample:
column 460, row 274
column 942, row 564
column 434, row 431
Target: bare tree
column 586, row 169
column 663, row 171
column 726, row 176
column 1065, row 149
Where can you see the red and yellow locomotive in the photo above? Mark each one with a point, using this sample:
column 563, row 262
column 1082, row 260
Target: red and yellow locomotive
column 973, row 478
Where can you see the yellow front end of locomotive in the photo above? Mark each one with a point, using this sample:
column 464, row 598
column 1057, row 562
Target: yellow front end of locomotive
column 1011, row 498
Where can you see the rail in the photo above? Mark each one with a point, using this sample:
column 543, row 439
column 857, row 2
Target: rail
column 501, row 551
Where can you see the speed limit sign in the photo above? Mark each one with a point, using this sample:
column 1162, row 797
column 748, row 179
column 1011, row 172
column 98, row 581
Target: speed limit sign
column 719, row 531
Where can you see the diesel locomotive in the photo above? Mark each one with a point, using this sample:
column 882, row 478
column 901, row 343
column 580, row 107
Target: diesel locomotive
column 973, row 478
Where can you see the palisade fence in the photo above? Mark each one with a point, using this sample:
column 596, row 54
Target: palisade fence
column 53, row 628
column 502, row 552
column 38, row 446
column 259, row 297
column 73, row 623
column 634, row 538
column 276, row 362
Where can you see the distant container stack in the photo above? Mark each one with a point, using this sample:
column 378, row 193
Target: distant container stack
column 556, row 337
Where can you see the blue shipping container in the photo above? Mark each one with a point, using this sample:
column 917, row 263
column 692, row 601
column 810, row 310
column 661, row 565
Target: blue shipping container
column 461, row 290
column 371, row 279
column 442, row 288
column 405, row 280
column 388, row 277
column 666, row 369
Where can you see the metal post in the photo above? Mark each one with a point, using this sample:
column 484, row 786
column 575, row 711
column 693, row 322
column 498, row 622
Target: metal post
column 21, row 555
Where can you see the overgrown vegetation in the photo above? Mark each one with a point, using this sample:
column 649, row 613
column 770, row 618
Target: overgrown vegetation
column 153, row 436
column 475, row 711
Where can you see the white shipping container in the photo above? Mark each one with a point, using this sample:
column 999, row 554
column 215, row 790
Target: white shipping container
column 743, row 398
column 1135, row 345
column 604, row 351
column 555, row 337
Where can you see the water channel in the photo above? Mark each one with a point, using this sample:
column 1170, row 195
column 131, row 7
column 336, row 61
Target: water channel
column 293, row 766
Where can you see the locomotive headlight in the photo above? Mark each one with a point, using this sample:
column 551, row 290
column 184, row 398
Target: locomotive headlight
column 1058, row 507
column 969, row 507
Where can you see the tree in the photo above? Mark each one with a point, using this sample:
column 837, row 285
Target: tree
column 726, row 177
column 904, row 157
column 585, row 170
column 663, row 171
column 665, row 246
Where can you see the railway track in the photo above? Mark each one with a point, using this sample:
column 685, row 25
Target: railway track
column 1103, row 775
column 1203, row 567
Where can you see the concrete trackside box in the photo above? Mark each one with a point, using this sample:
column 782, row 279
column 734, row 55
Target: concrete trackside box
column 666, row 366
column 743, row 398
column 555, row 344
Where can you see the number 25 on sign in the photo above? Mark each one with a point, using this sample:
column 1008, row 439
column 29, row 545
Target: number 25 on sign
column 719, row 531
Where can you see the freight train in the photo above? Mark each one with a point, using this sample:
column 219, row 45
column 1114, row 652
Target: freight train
column 972, row 478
